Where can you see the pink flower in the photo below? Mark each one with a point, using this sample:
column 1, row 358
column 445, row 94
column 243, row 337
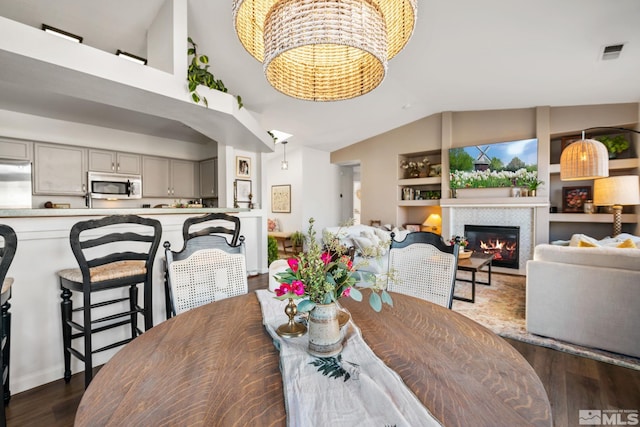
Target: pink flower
column 293, row 264
column 325, row 257
column 346, row 292
column 297, row 287
column 284, row 289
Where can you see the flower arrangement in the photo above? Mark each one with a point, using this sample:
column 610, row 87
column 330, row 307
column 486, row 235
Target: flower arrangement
column 490, row 178
column 462, row 241
column 413, row 167
column 323, row 276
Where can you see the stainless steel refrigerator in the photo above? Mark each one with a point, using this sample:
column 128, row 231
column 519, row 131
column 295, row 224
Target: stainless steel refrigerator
column 15, row 184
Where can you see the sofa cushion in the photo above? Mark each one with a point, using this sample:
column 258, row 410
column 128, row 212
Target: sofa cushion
column 596, row 257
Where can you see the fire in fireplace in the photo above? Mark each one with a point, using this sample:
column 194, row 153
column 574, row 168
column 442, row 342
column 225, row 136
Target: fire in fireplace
column 501, row 241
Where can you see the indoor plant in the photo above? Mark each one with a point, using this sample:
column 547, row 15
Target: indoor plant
column 615, row 145
column 320, row 278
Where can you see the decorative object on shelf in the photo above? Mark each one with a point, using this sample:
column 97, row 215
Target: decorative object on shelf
column 407, row 193
column 243, row 167
column 584, row 159
column 309, row 51
column 617, row 191
column 532, row 185
column 281, row 198
column 573, row 198
column 615, row 144
column 291, row 328
column 241, row 191
column 433, row 223
column 515, row 192
column 589, row 207
column 284, row 165
column 435, row 170
column 413, row 168
column 321, row 277
column 198, row 74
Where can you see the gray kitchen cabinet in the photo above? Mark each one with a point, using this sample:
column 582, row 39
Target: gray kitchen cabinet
column 162, row 177
column 16, row 149
column 113, row 161
column 59, row 169
column 209, row 178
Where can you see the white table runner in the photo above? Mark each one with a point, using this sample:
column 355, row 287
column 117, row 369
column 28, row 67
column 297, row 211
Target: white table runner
column 374, row 395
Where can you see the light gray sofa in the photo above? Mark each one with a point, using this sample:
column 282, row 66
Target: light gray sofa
column 586, row 296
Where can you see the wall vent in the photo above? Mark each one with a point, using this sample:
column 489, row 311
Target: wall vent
column 612, row 51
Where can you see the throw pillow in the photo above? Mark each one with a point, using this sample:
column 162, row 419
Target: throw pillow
column 272, row 224
column 364, row 246
column 627, row 244
column 586, row 244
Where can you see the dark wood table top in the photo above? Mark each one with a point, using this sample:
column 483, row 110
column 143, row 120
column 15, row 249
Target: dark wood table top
column 216, row 365
column 475, row 262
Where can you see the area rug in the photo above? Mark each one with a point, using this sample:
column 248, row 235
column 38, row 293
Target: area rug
column 501, row 308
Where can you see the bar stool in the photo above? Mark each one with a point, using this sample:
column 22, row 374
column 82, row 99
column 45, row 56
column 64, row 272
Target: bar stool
column 112, row 252
column 7, row 252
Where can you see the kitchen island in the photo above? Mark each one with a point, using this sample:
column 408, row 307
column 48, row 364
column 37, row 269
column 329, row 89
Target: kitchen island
column 43, row 249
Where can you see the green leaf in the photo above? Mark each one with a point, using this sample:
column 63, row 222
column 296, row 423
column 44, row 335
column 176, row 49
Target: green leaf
column 204, row 59
column 355, row 294
column 331, row 366
column 386, row 298
column 306, row 305
column 190, row 41
column 191, row 51
column 195, row 97
column 375, row 301
column 192, row 86
column 206, row 103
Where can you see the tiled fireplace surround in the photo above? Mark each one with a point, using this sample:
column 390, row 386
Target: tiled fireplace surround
column 497, row 212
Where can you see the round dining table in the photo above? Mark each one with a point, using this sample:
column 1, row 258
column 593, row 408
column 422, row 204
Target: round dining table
column 217, row 365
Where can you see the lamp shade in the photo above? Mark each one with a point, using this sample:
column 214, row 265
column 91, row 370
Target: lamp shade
column 617, row 191
column 432, row 223
column 584, row 159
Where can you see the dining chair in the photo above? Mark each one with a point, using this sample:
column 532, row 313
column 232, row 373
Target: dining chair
column 215, row 224
column 207, row 269
column 7, row 252
column 113, row 252
column 423, row 266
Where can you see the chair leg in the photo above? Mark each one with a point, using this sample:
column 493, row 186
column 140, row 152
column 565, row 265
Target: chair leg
column 66, row 310
column 86, row 332
column 6, row 350
column 148, row 304
column 167, row 296
column 133, row 303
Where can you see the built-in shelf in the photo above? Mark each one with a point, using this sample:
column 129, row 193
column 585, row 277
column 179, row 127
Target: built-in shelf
column 420, row 181
column 583, row 217
column 418, row 202
column 614, row 164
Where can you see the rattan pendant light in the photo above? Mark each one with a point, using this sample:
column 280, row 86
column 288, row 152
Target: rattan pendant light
column 324, row 50
column 584, row 159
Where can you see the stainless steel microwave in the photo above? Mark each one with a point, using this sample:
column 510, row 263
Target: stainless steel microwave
column 114, row 186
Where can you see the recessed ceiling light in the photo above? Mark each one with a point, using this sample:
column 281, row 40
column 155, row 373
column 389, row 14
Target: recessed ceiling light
column 131, row 57
column 61, row 33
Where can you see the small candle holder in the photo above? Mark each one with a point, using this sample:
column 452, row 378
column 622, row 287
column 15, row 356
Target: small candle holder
column 291, row 328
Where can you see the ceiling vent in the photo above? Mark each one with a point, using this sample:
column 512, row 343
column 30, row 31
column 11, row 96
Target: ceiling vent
column 612, row 51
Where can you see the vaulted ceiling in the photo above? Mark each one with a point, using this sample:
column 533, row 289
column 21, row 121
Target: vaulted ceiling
column 464, row 55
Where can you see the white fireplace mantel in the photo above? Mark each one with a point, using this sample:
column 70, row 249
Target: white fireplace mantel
column 496, row 202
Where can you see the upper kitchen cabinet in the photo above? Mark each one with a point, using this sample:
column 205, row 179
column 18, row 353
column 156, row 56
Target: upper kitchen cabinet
column 209, row 178
column 59, row 169
column 16, row 149
column 162, row 177
column 112, row 161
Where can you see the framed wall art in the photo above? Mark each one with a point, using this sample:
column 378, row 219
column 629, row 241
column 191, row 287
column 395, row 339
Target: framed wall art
column 573, row 198
column 281, row 198
column 412, row 227
column 242, row 191
column 243, row 167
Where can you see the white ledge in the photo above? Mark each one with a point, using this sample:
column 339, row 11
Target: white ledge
column 496, row 202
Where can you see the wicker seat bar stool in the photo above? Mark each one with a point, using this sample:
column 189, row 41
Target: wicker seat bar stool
column 113, row 252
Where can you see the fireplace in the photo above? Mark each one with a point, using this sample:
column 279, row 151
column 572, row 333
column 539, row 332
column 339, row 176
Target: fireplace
column 501, row 241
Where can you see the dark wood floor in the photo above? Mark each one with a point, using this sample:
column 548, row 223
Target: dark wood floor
column 572, row 383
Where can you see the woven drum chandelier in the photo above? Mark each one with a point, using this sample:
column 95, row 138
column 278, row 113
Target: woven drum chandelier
column 324, row 50
column 584, row 159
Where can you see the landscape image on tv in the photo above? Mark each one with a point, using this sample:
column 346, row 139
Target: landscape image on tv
column 502, row 164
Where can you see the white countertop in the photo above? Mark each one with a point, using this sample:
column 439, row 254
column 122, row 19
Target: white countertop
column 23, row 213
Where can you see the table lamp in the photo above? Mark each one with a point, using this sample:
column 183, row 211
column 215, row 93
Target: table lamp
column 433, row 223
column 617, row 191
